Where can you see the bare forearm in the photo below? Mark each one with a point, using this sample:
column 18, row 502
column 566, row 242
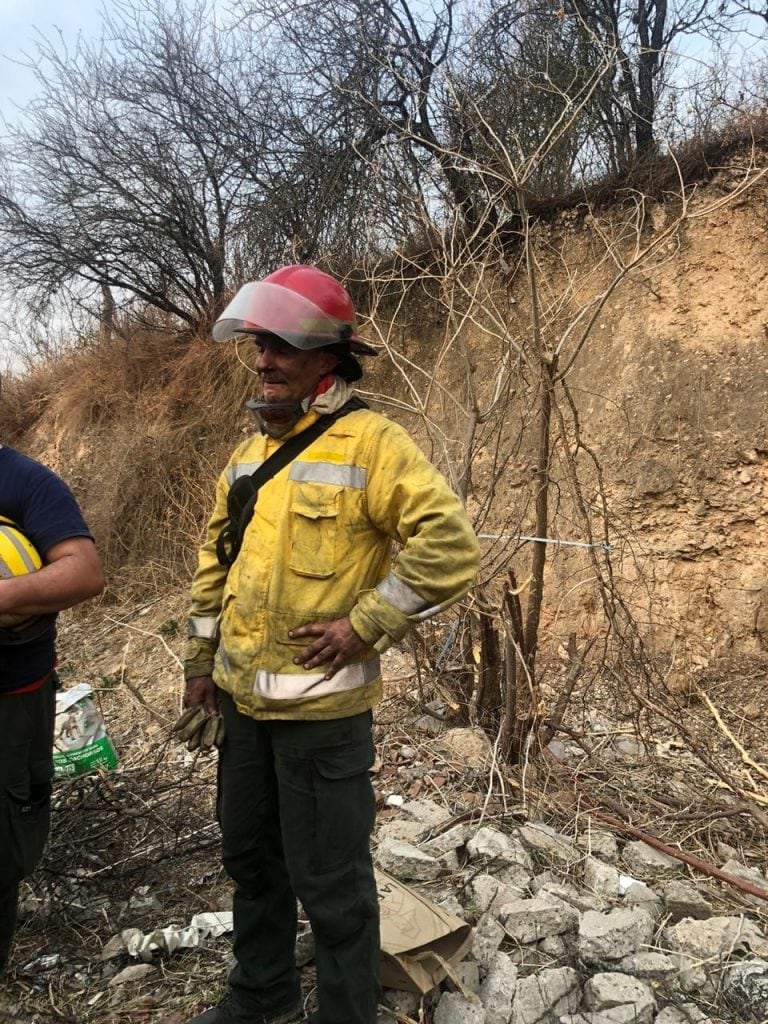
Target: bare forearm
column 74, row 575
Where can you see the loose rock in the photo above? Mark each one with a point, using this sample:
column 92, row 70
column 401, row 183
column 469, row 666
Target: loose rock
column 648, row 863
column 455, row 1008
column 403, row 860
column 498, row 989
column 531, row 920
column 606, row 938
column 546, row 996
column 620, row 992
column 745, row 987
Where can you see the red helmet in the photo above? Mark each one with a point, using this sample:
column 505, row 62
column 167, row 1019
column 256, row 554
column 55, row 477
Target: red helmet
column 300, row 304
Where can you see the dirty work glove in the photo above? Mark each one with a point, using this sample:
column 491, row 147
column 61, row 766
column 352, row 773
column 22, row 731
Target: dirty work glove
column 198, row 729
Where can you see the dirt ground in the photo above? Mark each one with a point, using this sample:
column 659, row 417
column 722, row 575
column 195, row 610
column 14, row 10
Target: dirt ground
column 138, row 847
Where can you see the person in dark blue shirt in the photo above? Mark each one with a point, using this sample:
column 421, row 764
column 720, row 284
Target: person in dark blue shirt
column 44, row 509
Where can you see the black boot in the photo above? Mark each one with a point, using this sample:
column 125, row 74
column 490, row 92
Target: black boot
column 8, row 908
column 231, row 1011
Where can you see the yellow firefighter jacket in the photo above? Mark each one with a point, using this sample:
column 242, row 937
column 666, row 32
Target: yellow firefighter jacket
column 318, row 548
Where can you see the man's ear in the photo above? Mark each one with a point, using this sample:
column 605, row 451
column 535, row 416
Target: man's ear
column 328, row 362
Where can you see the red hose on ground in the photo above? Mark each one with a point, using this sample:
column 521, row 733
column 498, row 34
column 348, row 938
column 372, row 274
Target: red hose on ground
column 670, row 851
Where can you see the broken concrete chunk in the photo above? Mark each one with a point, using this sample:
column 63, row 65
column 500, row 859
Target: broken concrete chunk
column 454, row 839
column 745, row 987
column 601, row 879
column 427, row 812
column 702, row 948
column 616, row 1015
column 599, row 844
column 606, row 938
column 622, row 992
column 498, row 989
column 455, row 1008
column 134, row 972
column 429, row 725
column 655, row 966
column 530, row 920
column 449, row 862
column 467, row 973
column 489, row 935
column 542, row 878
column 548, row 844
column 681, row 899
column 403, row 829
column 746, row 874
column 491, row 844
column 488, row 893
column 554, row 946
column 405, row 861
column 143, row 903
column 113, row 948
column 648, row 863
column 630, row 747
column 546, row 996
column 686, row 1013
column 405, row 1003
column 562, row 892
column 638, row 894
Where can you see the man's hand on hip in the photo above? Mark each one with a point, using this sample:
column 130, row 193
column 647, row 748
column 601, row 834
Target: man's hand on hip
column 335, row 644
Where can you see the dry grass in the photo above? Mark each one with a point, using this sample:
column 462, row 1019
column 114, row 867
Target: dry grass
column 140, row 434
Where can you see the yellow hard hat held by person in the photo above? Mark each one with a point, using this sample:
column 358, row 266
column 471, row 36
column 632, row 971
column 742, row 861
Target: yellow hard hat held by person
column 18, row 557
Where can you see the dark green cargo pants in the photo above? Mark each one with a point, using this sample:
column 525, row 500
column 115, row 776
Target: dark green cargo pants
column 26, row 771
column 296, row 808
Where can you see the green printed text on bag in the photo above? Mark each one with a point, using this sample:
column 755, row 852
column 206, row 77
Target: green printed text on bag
column 80, row 740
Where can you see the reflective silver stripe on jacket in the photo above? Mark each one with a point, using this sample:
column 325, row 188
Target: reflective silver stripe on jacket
column 290, row 685
column 405, row 599
column 241, row 469
column 328, row 473
column 204, row 626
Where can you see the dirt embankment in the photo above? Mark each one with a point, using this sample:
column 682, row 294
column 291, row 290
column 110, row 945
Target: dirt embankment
column 672, row 392
column 670, row 389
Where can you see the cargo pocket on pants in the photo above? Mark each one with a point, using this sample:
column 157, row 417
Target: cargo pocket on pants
column 25, row 827
column 345, row 806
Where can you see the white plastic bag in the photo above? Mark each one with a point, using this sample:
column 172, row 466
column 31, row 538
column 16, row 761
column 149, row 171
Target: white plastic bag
column 80, row 740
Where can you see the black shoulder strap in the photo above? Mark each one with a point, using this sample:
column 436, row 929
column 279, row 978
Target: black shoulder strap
column 244, row 492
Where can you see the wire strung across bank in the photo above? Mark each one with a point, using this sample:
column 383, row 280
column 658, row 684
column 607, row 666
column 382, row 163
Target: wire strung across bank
column 545, row 540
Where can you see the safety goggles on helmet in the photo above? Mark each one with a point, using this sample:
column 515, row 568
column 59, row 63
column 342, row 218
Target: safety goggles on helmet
column 261, row 307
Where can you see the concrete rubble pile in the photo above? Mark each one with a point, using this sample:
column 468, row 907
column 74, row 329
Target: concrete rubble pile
column 585, row 931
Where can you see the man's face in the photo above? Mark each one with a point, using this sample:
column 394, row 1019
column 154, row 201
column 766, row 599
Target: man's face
column 290, row 374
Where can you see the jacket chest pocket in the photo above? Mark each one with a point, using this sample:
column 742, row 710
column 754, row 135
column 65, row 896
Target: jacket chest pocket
column 314, row 531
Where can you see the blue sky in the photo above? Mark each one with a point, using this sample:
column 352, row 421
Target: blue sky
column 21, row 23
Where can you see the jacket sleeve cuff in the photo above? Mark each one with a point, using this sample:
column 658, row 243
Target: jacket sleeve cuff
column 199, row 657
column 377, row 621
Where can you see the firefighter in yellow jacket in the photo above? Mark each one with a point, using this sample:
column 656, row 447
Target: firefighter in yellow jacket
column 295, row 597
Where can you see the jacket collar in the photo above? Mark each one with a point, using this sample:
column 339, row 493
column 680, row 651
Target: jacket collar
column 328, row 402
